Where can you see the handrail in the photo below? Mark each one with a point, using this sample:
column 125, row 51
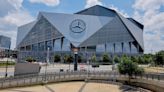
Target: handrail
column 32, row 79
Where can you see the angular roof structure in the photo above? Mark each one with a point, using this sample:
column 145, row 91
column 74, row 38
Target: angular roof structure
column 96, row 18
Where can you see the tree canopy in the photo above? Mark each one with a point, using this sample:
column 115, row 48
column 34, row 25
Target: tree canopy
column 127, row 66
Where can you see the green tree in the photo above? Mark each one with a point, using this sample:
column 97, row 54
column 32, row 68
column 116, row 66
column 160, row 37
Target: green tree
column 57, row 58
column 69, row 60
column 141, row 60
column 94, row 59
column 159, row 58
column 148, row 58
column 79, row 59
column 30, row 59
column 116, row 59
column 129, row 67
column 134, row 59
column 65, row 58
column 106, row 58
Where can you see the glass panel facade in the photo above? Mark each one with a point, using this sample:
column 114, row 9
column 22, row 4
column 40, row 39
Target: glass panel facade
column 110, row 48
column 65, row 45
column 126, row 47
column 133, row 49
column 41, row 46
column 100, row 48
column 34, row 47
column 118, row 47
column 49, row 44
column 57, row 45
column 28, row 48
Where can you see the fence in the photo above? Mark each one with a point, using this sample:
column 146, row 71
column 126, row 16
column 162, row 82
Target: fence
column 26, row 80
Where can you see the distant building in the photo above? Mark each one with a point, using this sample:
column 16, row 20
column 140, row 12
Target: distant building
column 94, row 30
column 5, row 43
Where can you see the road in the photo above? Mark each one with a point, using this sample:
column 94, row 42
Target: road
column 57, row 67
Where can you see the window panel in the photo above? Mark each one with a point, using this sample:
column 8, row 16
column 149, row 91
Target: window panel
column 66, row 45
column 57, row 45
column 100, row 48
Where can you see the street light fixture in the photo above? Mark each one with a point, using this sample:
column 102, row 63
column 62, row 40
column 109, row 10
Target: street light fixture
column 75, row 50
column 47, row 62
column 7, row 62
column 87, row 64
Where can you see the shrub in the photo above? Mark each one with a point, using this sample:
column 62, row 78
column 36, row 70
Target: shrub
column 94, row 59
column 129, row 67
column 116, row 59
column 57, row 58
column 106, row 58
column 30, row 59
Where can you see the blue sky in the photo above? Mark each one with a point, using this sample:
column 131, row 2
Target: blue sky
column 72, row 6
column 14, row 13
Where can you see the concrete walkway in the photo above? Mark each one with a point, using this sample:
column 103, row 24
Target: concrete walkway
column 70, row 87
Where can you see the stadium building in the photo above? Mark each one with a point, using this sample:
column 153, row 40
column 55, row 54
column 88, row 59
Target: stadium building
column 93, row 30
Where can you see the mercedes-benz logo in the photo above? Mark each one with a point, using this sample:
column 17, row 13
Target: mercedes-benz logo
column 77, row 26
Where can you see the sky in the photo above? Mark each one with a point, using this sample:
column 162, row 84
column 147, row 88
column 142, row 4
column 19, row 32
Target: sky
column 14, row 13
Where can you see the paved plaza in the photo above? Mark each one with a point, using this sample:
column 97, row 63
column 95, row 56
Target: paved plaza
column 71, row 87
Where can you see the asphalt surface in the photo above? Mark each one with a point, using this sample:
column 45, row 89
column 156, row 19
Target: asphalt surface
column 58, row 67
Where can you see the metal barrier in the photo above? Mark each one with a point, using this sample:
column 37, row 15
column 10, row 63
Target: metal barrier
column 33, row 79
column 51, row 77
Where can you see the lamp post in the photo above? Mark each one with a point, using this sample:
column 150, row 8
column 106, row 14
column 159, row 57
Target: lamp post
column 47, row 62
column 87, row 65
column 7, row 62
column 75, row 50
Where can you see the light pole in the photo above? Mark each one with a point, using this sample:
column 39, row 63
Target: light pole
column 87, row 65
column 47, row 62
column 75, row 50
column 7, row 62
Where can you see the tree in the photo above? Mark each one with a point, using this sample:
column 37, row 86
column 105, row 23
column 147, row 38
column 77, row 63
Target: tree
column 69, row 60
column 79, row 59
column 116, row 59
column 141, row 60
column 159, row 58
column 93, row 59
column 134, row 59
column 148, row 58
column 30, row 59
column 129, row 67
column 106, row 58
column 57, row 58
column 65, row 58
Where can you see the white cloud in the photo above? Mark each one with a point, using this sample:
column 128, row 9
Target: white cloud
column 148, row 4
column 47, row 2
column 7, row 6
column 148, row 12
column 118, row 10
column 17, row 4
column 90, row 3
column 18, row 18
column 12, row 18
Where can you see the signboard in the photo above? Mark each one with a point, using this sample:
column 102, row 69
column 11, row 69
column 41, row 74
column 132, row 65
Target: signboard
column 26, row 68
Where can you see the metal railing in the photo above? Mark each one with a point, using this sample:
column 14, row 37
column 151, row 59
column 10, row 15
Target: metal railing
column 43, row 78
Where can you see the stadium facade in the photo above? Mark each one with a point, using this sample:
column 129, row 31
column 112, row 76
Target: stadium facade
column 93, row 30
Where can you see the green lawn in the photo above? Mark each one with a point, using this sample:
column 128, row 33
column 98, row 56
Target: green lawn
column 9, row 63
